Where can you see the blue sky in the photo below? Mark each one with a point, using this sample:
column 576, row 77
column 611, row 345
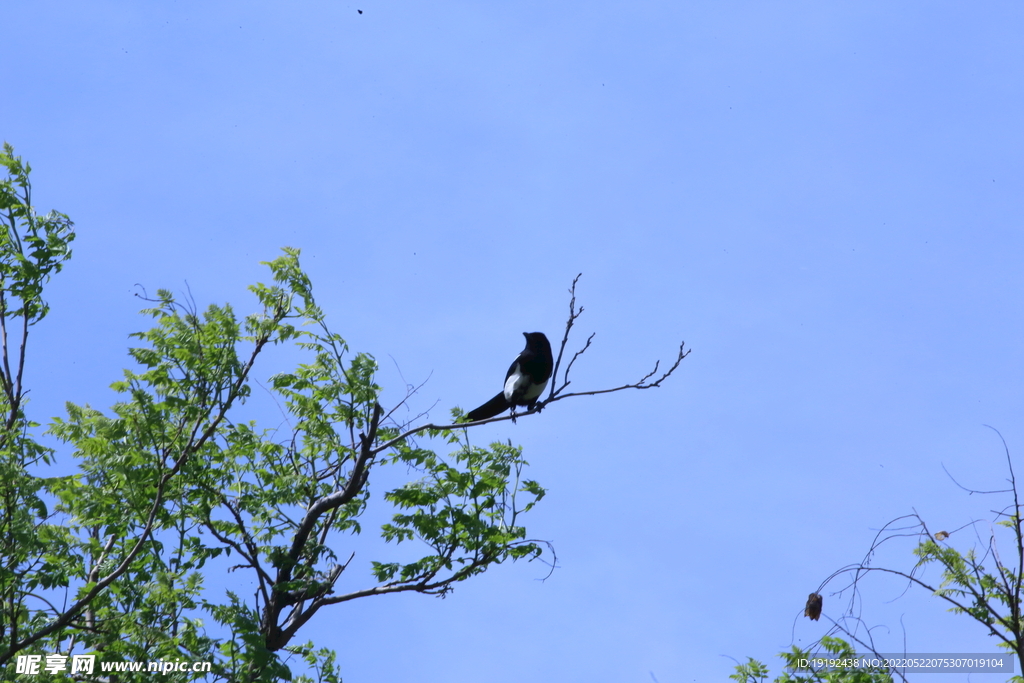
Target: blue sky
column 823, row 199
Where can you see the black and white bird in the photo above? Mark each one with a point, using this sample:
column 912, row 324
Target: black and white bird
column 525, row 380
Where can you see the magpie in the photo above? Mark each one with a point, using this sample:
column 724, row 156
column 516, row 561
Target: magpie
column 524, row 381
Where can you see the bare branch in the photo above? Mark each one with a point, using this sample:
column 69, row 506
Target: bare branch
column 573, row 314
column 642, row 383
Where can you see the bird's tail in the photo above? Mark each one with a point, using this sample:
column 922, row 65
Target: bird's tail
column 495, row 406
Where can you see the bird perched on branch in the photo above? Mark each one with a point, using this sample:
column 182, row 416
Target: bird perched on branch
column 524, row 381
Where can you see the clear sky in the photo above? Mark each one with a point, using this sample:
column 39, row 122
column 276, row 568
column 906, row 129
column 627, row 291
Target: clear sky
column 824, row 199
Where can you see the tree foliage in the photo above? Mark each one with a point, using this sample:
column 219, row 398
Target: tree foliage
column 174, row 480
column 800, row 669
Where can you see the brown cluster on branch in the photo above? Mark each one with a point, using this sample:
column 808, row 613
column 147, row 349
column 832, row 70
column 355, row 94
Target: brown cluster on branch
column 813, row 608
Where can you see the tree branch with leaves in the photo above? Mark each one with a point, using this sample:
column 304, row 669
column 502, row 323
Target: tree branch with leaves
column 177, row 481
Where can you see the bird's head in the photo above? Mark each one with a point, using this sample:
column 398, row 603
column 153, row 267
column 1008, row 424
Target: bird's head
column 536, row 340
